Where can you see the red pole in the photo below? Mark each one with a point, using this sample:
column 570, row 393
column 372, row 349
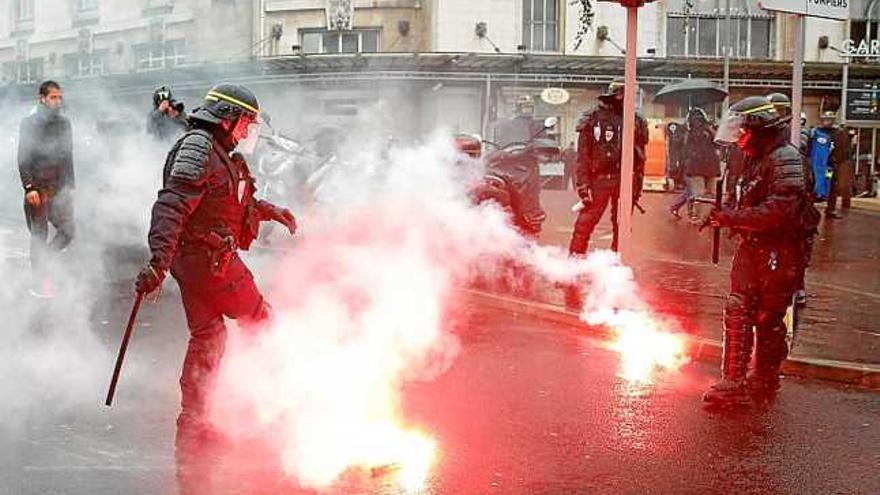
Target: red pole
column 625, row 208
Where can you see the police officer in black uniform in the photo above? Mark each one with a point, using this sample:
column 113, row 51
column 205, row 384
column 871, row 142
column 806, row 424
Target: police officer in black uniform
column 600, row 142
column 205, row 213
column 812, row 217
column 768, row 217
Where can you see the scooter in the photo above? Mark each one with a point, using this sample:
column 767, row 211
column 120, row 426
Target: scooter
column 513, row 179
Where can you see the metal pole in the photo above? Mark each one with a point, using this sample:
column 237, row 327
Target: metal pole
column 844, row 93
column 625, row 207
column 487, row 107
column 727, row 51
column 797, row 81
column 870, row 171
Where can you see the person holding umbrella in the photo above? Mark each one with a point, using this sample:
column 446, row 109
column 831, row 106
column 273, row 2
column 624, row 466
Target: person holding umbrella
column 701, row 162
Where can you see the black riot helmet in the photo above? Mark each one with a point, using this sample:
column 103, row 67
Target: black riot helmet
column 226, row 101
column 747, row 121
column 781, row 103
column 161, row 94
column 613, row 96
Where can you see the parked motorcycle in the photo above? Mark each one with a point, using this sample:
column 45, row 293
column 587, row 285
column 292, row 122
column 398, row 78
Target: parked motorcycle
column 513, row 179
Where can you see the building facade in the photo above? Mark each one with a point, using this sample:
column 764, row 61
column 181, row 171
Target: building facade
column 458, row 64
column 73, row 39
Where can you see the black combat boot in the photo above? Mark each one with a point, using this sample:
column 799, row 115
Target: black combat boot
column 731, row 389
column 771, row 349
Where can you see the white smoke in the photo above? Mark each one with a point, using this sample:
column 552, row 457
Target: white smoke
column 364, row 303
column 53, row 356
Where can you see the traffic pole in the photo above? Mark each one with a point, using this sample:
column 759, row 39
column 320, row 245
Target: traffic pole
column 625, row 207
column 797, row 81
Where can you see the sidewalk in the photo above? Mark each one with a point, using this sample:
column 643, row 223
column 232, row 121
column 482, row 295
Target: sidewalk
column 671, row 263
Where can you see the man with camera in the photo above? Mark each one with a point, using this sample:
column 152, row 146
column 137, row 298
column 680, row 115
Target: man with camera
column 167, row 121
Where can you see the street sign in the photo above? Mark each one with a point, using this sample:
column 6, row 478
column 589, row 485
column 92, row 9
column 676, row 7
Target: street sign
column 863, row 101
column 829, row 9
column 555, row 96
column 862, row 49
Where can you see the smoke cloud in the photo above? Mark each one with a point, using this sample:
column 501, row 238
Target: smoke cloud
column 363, row 299
column 363, row 305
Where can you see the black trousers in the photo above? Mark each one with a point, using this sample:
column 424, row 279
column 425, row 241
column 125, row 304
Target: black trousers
column 762, row 283
column 56, row 209
column 208, row 298
column 589, row 217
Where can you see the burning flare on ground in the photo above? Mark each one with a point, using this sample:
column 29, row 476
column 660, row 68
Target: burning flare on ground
column 646, row 343
column 645, row 346
column 362, row 307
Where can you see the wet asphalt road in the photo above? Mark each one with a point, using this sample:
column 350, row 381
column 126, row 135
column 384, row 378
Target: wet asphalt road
column 671, row 261
column 524, row 409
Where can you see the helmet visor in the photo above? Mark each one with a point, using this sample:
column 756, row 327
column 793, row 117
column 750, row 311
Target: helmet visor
column 730, row 127
column 247, row 131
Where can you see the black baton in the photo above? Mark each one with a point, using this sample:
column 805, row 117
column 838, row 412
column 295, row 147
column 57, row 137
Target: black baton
column 123, row 347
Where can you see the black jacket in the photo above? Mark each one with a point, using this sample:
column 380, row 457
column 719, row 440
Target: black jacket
column 45, row 151
column 700, row 153
column 773, row 201
column 205, row 192
column 600, row 139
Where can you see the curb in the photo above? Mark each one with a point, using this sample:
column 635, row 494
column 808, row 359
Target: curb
column 698, row 348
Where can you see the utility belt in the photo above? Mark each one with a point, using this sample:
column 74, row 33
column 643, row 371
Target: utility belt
column 219, row 248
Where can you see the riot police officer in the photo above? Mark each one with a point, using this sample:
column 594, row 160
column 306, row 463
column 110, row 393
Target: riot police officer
column 783, row 107
column 205, row 213
column 768, row 217
column 600, row 142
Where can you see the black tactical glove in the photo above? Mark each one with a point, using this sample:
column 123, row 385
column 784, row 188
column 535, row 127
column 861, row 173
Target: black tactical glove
column 149, row 279
column 720, row 217
column 585, row 194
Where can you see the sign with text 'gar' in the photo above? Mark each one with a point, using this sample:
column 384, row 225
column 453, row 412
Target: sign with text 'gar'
column 829, row 9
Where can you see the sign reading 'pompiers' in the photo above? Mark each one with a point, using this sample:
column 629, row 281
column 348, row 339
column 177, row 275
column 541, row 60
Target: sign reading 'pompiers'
column 829, row 9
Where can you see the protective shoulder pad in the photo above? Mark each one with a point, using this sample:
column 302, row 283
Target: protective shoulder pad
column 192, row 154
column 788, row 170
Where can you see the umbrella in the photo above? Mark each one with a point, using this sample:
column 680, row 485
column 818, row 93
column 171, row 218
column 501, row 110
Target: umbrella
column 690, row 92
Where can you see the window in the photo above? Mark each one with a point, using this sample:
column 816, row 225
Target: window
column 23, row 10
column 864, row 30
column 705, row 36
column 540, row 27
column 86, row 5
column 153, row 56
column 84, row 64
column 354, row 41
column 24, row 72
